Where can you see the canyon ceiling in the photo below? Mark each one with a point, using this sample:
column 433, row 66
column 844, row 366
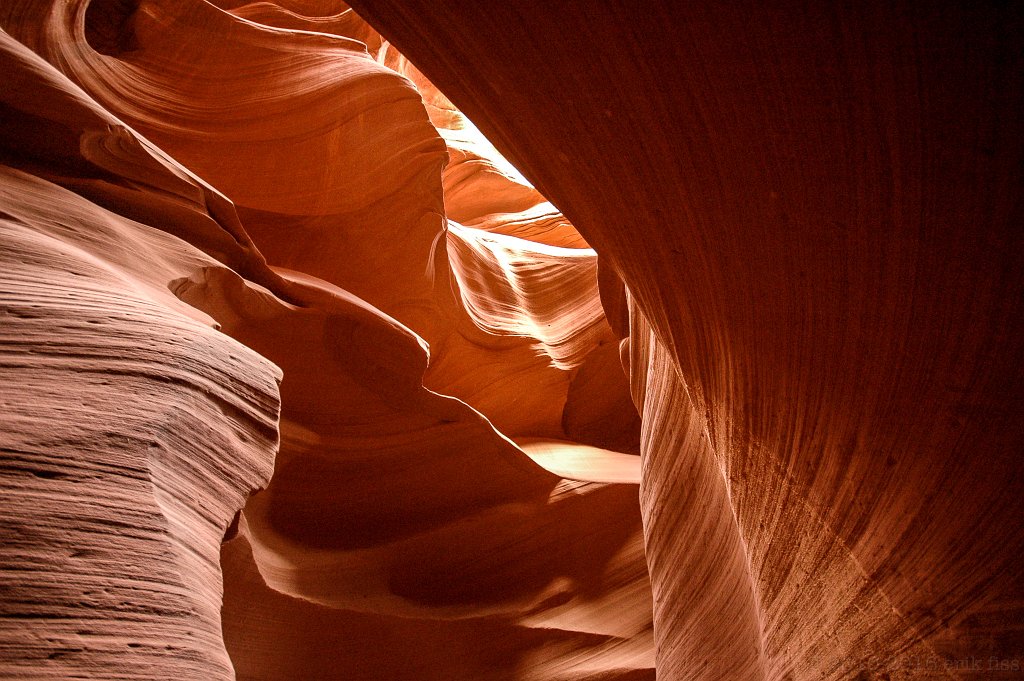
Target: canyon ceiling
column 301, row 379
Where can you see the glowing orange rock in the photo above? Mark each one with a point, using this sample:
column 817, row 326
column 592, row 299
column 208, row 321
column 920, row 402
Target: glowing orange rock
column 815, row 210
column 393, row 507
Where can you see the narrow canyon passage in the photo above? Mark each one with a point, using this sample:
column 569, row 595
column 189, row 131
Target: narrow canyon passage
column 304, row 380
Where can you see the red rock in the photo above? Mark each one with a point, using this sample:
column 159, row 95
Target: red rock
column 817, row 208
column 392, row 506
column 251, row 245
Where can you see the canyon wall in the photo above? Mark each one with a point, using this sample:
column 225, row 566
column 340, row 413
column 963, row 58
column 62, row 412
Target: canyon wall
column 409, row 439
column 816, row 210
column 303, row 380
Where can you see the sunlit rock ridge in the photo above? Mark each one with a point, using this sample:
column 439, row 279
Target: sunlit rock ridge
column 300, row 378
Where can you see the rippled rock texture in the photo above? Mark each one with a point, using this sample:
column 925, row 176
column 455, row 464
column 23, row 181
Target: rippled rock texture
column 302, row 380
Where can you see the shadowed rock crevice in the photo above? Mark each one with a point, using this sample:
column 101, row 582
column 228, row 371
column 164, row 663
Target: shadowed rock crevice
column 108, row 26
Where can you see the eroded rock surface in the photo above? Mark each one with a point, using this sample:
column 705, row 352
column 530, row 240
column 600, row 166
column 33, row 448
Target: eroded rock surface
column 403, row 533
column 816, row 210
column 251, row 246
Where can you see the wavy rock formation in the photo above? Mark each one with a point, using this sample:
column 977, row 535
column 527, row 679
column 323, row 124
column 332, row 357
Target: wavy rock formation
column 816, row 212
column 303, row 380
column 403, row 534
column 132, row 430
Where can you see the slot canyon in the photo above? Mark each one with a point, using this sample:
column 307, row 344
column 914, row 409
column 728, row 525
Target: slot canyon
column 597, row 340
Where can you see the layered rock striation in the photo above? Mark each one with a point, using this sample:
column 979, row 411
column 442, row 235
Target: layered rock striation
column 303, row 380
column 382, row 366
